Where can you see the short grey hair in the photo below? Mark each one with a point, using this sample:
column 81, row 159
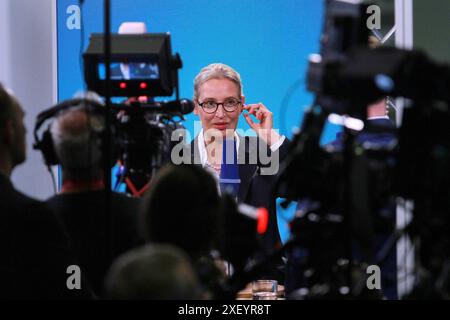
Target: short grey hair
column 76, row 135
column 217, row 71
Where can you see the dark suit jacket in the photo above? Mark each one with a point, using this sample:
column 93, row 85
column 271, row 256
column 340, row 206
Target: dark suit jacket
column 34, row 250
column 83, row 216
column 257, row 179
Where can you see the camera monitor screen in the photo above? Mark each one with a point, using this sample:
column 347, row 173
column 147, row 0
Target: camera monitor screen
column 130, row 71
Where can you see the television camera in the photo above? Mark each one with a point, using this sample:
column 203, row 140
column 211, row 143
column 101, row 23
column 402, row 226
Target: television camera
column 142, row 68
column 347, row 190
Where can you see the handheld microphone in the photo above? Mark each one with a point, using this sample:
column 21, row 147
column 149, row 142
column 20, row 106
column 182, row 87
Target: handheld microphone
column 229, row 172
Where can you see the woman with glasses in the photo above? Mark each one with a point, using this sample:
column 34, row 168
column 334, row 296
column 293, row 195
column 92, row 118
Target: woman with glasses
column 219, row 102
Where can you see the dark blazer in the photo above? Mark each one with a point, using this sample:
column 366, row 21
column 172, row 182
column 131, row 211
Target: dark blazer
column 257, row 180
column 34, row 250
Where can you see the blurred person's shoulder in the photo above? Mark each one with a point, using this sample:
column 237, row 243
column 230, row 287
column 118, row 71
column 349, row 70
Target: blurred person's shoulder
column 20, row 205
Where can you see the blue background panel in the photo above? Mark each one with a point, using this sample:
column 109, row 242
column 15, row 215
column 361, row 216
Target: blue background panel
column 267, row 42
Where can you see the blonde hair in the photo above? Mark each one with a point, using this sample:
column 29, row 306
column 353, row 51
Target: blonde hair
column 217, row 71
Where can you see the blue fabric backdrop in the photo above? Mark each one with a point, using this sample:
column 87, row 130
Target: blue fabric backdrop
column 267, row 42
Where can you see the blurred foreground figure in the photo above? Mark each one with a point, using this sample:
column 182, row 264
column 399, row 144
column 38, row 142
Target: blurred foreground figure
column 77, row 139
column 182, row 208
column 34, row 248
column 156, row 272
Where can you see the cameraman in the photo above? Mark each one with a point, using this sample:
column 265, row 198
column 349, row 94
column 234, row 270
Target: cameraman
column 77, row 138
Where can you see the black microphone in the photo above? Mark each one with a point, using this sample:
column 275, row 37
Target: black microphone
column 183, row 106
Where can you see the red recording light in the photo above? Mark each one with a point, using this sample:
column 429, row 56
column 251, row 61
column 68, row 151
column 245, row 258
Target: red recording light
column 123, row 85
column 143, row 85
column 263, row 220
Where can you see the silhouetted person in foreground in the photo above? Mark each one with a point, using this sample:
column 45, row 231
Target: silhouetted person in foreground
column 154, row 271
column 77, row 135
column 182, row 208
column 34, row 248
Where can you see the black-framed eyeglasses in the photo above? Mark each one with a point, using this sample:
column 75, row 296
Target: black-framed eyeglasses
column 229, row 105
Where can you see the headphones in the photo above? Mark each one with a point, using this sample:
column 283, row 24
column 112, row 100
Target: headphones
column 45, row 144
